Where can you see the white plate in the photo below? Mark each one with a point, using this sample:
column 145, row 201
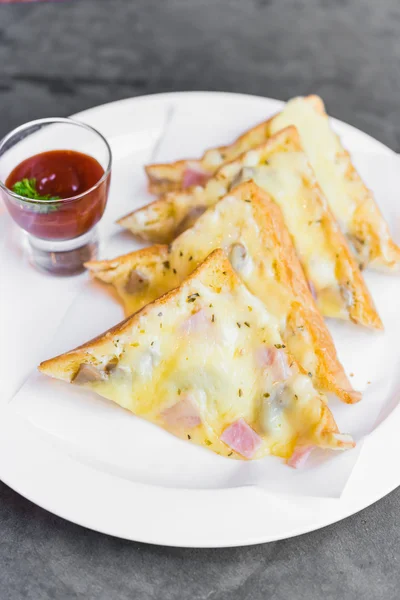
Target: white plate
column 32, row 305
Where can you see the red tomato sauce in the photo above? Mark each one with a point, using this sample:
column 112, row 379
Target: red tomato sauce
column 63, row 174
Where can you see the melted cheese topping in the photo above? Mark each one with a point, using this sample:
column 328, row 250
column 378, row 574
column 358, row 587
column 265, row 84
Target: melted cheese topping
column 283, row 178
column 232, row 222
column 230, row 225
column 215, row 157
column 288, row 179
column 209, row 343
column 351, row 202
column 284, row 173
column 323, row 149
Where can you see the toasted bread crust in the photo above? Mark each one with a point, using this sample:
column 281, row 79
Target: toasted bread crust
column 304, row 315
column 367, row 230
column 216, row 266
column 316, row 425
column 168, row 177
column 145, row 258
column 160, row 221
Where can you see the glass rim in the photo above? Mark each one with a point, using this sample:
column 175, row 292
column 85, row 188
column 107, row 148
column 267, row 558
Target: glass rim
column 48, row 121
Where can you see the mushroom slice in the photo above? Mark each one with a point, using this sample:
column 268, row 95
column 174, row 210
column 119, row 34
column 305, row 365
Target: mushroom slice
column 88, row 373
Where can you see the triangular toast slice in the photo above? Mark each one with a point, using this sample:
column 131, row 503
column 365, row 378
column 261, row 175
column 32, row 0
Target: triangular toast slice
column 280, row 167
column 351, row 202
column 207, row 363
column 249, row 227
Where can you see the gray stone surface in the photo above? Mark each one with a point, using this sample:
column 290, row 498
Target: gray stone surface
column 58, row 58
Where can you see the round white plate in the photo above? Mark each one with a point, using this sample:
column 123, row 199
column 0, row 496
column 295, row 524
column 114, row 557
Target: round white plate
column 31, row 307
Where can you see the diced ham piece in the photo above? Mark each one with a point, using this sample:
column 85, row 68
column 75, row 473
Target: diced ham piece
column 273, row 359
column 182, row 415
column 265, row 356
column 299, row 456
column 196, row 322
column 193, row 176
column 88, row 373
column 242, row 438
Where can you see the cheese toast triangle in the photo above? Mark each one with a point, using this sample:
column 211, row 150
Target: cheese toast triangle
column 206, row 362
column 249, row 227
column 351, row 202
column 280, row 167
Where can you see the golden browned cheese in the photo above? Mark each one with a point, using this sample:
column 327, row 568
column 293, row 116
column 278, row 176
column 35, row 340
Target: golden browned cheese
column 280, row 167
column 250, row 229
column 351, row 202
column 204, row 358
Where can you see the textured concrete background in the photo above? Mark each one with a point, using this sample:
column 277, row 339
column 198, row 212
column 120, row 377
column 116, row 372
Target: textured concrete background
column 59, row 58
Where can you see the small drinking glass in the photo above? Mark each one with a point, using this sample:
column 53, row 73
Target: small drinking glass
column 61, row 233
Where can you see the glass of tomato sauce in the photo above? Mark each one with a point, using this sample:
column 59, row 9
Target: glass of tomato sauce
column 54, row 179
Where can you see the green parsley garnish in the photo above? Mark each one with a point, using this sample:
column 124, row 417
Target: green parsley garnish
column 27, row 189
